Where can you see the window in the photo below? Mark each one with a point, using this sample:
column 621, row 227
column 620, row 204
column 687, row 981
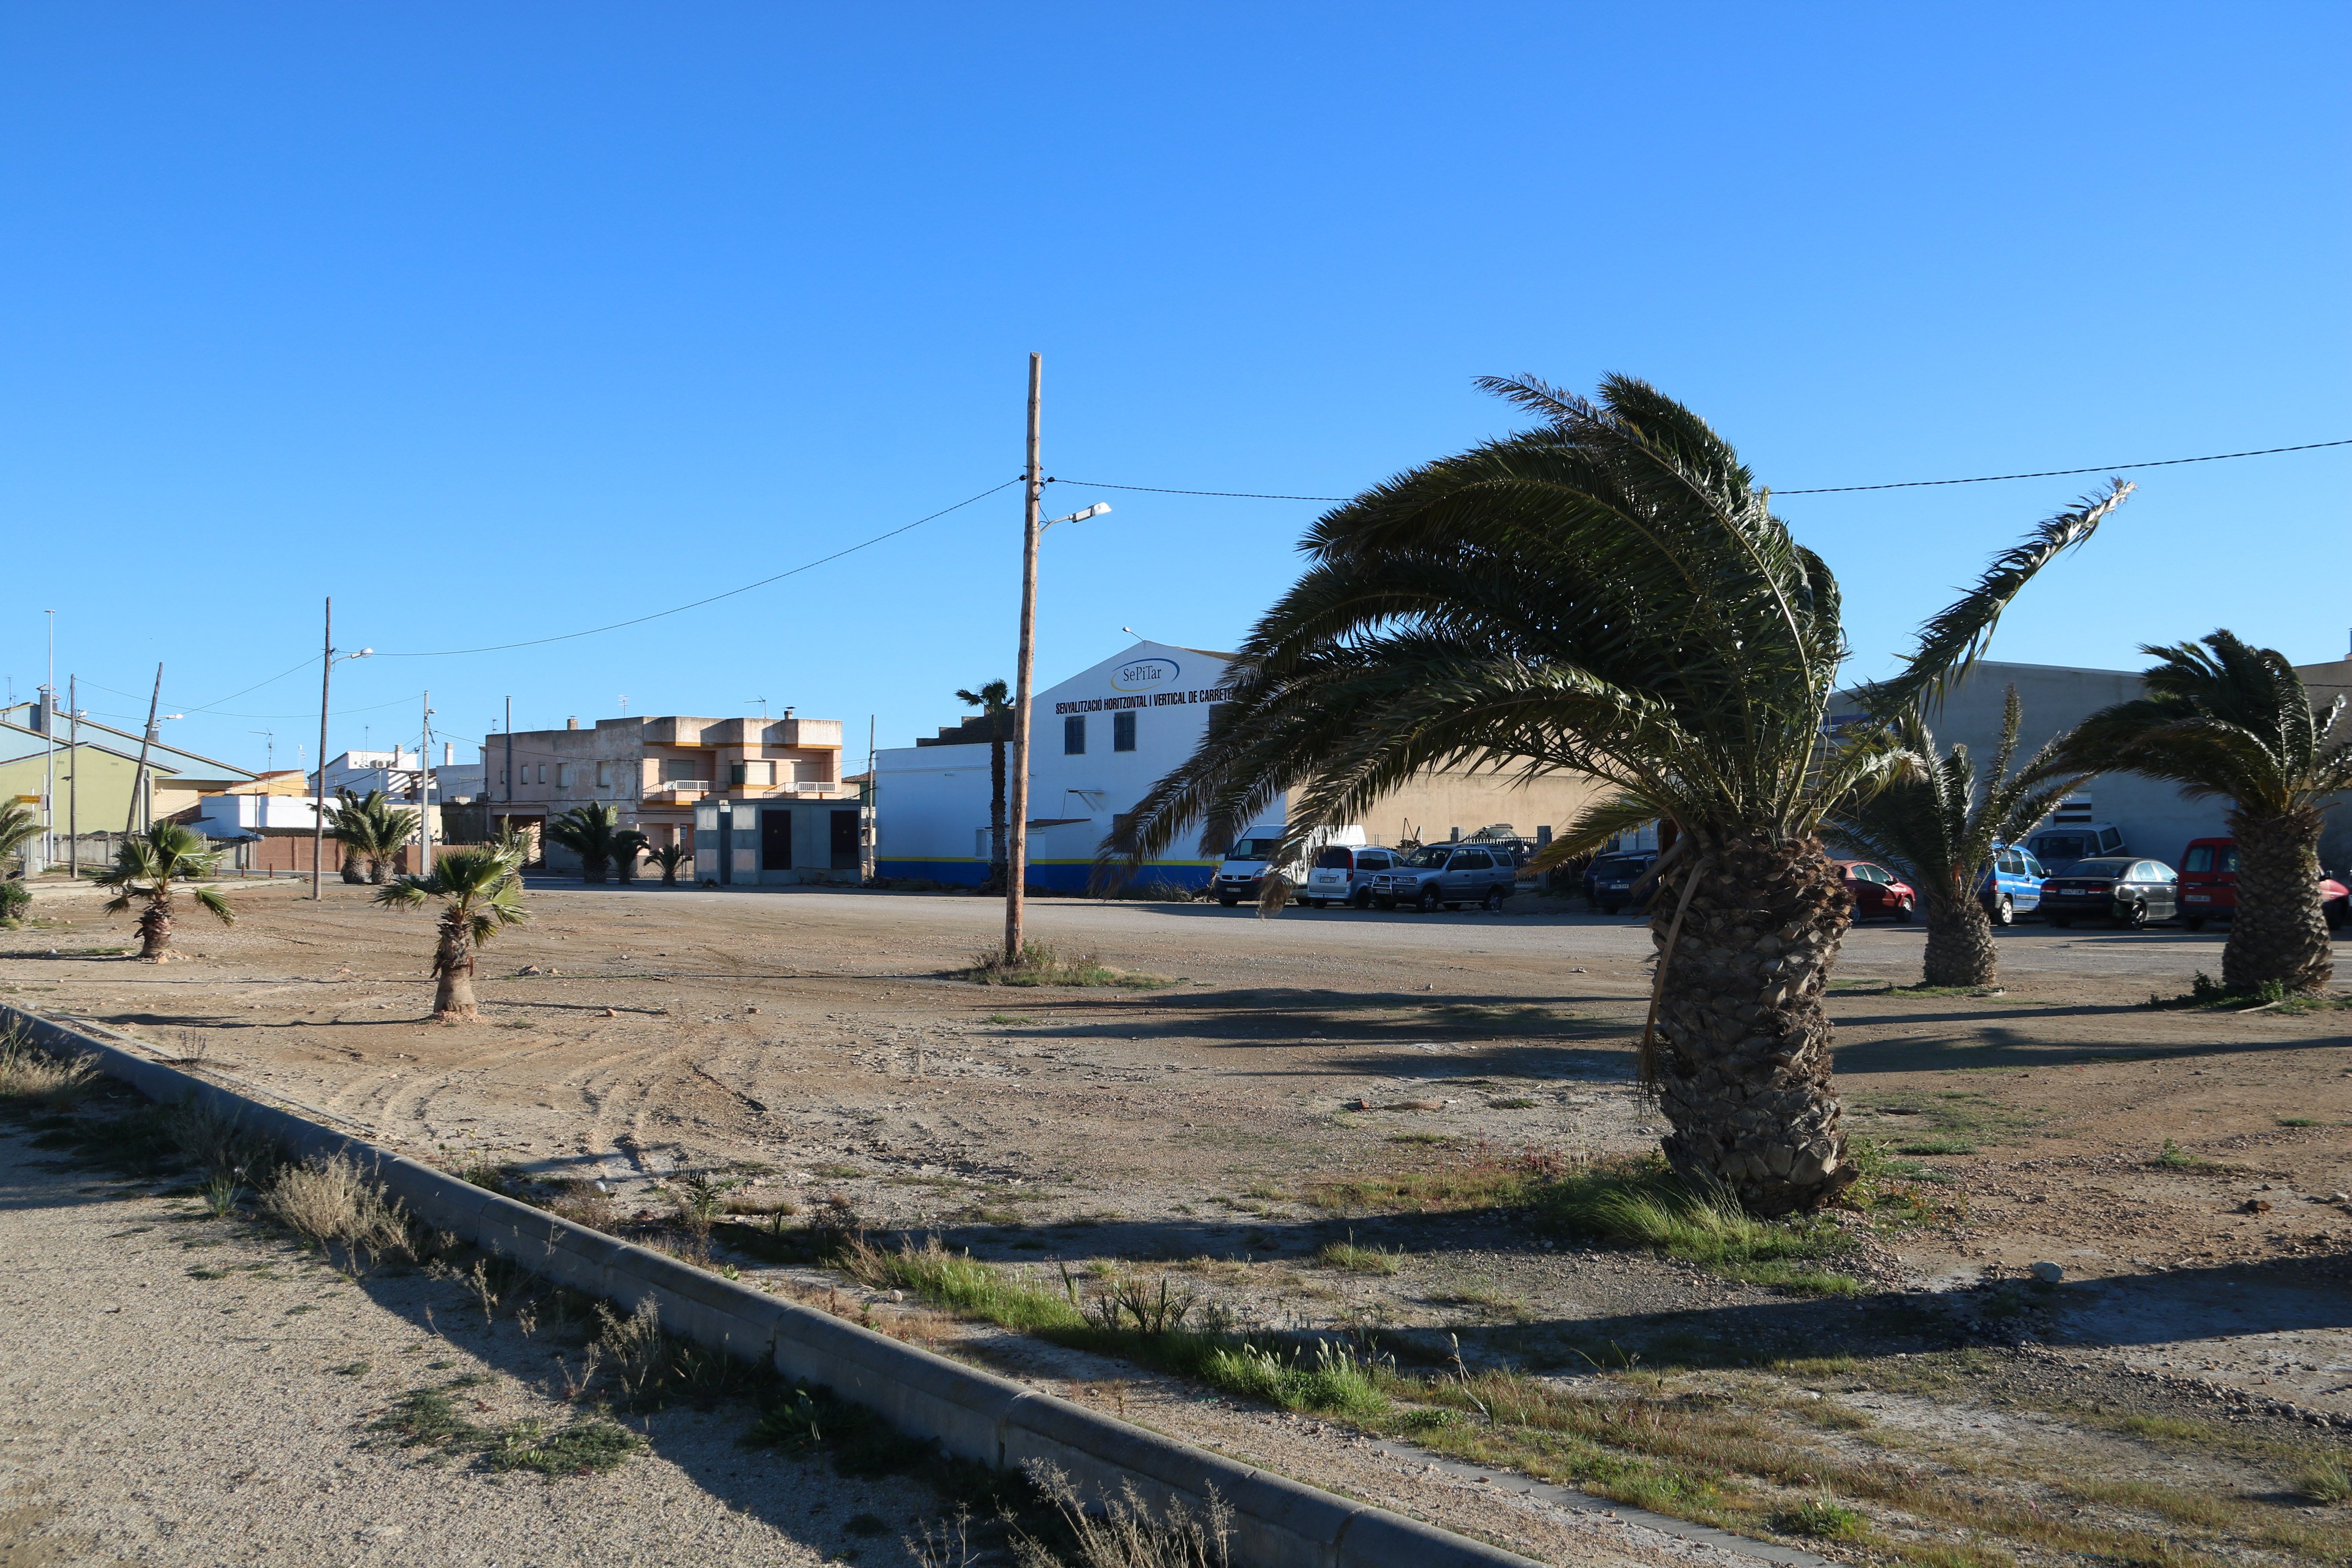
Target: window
column 1074, row 735
column 562, row 775
column 1473, row 860
column 674, row 769
column 1334, row 860
column 756, row 775
column 604, row 775
column 1122, row 732
column 2109, row 840
column 2198, row 858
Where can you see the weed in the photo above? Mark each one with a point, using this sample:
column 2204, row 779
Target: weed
column 1339, row 1381
column 859, row 1441
column 584, row 1203
column 1126, row 1532
column 960, row 1283
column 701, row 1201
column 1820, row 1518
column 1418, row 1138
column 1357, row 1259
column 2173, row 1157
column 1645, row 1204
column 1513, row 1102
column 2325, row 1481
column 428, row 1417
column 1041, row 964
column 34, row 1080
column 354, row 1369
column 2301, row 1121
column 219, row 1193
column 330, row 1200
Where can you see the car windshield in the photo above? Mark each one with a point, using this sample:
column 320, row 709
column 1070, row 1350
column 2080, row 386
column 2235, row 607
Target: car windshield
column 1429, row 857
column 2099, row 868
column 1252, row 849
column 2064, row 847
column 1621, row 865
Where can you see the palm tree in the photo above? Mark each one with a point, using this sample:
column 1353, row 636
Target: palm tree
column 669, row 858
column 2230, row 721
column 1927, row 820
column 995, row 701
column 627, row 845
column 593, row 832
column 146, row 869
column 19, row 825
column 1611, row 594
column 480, row 892
column 372, row 831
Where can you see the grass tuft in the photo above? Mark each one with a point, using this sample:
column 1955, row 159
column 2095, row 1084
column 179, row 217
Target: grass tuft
column 1041, row 964
column 33, row 1080
column 331, row 1200
column 1819, row 1518
column 2325, row 1481
column 1357, row 1259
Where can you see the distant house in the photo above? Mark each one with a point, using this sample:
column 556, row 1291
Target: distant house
column 96, row 767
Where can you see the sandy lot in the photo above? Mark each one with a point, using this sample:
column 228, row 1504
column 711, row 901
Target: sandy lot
column 2184, row 1168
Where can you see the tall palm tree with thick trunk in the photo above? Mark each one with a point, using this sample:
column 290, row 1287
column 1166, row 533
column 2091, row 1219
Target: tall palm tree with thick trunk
column 151, row 869
column 1936, row 820
column 593, row 832
column 481, row 894
column 1610, row 593
column 996, row 702
column 2227, row 720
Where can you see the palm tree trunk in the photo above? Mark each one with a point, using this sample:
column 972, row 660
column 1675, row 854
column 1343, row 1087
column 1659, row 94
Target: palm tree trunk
column 453, row 966
column 156, row 932
column 1960, row 950
column 355, row 865
column 379, row 868
column 592, row 869
column 2278, row 932
column 1744, row 1071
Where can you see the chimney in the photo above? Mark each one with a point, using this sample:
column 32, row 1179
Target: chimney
column 572, row 723
column 448, row 754
column 788, row 712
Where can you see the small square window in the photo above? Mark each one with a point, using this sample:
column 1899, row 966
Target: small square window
column 1074, row 735
column 1122, row 732
column 603, row 774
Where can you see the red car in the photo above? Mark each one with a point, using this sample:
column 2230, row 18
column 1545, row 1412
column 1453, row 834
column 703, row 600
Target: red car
column 1877, row 892
column 2209, row 886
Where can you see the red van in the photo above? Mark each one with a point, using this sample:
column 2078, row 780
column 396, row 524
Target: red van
column 2208, row 885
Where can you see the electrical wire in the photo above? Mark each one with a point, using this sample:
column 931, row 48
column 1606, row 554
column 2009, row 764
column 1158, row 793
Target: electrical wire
column 680, row 609
column 1816, row 490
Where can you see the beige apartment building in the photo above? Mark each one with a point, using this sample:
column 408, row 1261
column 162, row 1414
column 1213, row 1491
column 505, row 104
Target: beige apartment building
column 657, row 770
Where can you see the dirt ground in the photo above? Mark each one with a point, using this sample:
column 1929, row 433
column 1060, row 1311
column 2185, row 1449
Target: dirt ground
column 2185, row 1169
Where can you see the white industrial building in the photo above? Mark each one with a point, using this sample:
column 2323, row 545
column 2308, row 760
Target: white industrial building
column 1101, row 739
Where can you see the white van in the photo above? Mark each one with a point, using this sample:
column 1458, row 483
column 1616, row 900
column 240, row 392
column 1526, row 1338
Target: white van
column 1242, row 874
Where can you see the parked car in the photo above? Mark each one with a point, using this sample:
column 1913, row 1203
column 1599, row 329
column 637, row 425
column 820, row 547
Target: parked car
column 1446, row 876
column 1241, row 873
column 2124, row 892
column 2059, row 847
column 2209, row 886
column 1877, row 892
column 1609, row 881
column 1343, row 875
column 2012, row 885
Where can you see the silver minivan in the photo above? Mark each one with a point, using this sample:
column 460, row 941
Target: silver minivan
column 1342, row 874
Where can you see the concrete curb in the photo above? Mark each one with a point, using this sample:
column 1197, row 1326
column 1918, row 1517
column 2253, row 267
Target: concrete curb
column 972, row 1415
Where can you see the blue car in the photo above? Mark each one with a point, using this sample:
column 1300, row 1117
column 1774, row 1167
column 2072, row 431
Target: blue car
column 2012, row 885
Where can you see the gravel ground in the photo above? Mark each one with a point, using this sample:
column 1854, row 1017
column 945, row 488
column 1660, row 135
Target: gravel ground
column 150, row 1415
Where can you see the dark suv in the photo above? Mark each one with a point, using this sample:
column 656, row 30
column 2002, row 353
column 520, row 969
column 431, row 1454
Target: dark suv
column 1608, row 881
column 1448, row 875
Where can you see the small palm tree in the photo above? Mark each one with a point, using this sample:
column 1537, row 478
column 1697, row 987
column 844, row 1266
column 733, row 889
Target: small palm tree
column 995, row 701
column 669, row 858
column 2230, row 721
column 590, row 832
column 19, row 825
column 627, row 845
column 481, row 893
column 1610, row 593
column 148, row 868
column 372, row 831
column 1935, row 821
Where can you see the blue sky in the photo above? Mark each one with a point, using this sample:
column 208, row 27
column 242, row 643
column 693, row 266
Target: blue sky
column 497, row 322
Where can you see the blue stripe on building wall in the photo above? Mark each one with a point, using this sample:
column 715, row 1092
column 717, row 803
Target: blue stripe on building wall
column 1051, row 876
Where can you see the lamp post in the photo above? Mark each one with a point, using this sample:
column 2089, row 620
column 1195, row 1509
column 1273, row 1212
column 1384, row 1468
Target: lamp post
column 1016, row 857
column 327, row 662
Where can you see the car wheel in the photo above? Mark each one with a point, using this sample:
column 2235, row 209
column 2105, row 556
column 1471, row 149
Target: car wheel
column 1363, row 898
column 1903, row 912
column 2192, row 922
column 1229, row 903
column 1610, row 909
column 1494, row 900
column 2060, row 922
column 2004, row 911
column 1429, row 901
column 2134, row 918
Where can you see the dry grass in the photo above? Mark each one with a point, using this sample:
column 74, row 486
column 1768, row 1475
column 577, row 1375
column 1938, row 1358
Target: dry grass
column 1126, row 1531
column 1041, row 964
column 326, row 1201
column 35, row 1080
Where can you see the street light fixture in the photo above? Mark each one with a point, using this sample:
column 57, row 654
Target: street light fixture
column 327, row 662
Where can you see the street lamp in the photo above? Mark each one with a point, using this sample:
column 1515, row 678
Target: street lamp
column 327, row 662
column 1017, row 857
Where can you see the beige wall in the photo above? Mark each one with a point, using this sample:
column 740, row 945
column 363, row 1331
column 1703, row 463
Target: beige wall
column 1435, row 804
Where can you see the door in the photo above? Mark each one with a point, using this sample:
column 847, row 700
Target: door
column 726, row 847
column 845, row 857
column 775, row 841
column 2163, row 896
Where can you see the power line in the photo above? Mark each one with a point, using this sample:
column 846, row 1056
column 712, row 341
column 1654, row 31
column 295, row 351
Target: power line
column 1817, row 490
column 680, row 609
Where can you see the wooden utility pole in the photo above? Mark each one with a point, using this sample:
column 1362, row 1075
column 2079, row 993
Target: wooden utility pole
column 73, row 777
column 319, row 804
column 424, row 790
column 139, row 779
column 1033, row 493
